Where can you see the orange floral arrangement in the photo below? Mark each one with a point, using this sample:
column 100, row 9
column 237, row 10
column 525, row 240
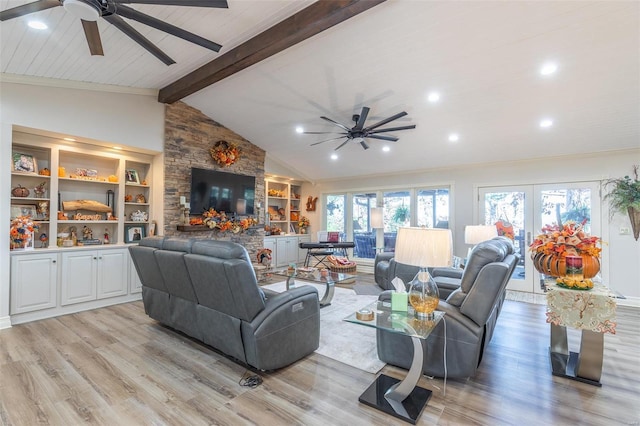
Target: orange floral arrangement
column 566, row 240
column 303, row 222
column 225, row 153
column 220, row 221
column 22, row 229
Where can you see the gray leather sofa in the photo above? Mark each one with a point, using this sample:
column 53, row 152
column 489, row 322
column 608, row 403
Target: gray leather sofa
column 208, row 290
column 471, row 314
column 385, row 269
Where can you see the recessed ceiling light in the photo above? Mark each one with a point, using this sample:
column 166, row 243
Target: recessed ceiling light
column 37, row 25
column 334, row 156
column 69, row 139
column 433, row 97
column 548, row 68
column 299, row 129
column 454, row 137
column 386, row 148
column 546, row 123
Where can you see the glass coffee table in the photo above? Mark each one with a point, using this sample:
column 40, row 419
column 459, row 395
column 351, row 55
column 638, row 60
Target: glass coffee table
column 313, row 275
column 400, row 398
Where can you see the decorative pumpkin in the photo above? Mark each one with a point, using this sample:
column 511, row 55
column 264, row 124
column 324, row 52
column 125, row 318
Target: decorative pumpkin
column 44, row 172
column 555, row 266
column 20, row 191
column 112, row 178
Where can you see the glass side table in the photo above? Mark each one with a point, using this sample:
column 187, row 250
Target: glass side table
column 400, row 398
column 313, row 275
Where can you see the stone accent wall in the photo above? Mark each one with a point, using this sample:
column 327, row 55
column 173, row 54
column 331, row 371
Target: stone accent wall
column 189, row 134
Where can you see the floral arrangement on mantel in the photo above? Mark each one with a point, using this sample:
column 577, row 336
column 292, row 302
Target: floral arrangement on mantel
column 549, row 252
column 220, row 222
column 22, row 231
column 225, row 153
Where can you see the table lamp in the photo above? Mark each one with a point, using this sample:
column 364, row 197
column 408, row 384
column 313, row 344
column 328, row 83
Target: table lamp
column 475, row 234
column 424, row 247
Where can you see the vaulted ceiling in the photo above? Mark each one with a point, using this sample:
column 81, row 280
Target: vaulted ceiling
column 483, row 58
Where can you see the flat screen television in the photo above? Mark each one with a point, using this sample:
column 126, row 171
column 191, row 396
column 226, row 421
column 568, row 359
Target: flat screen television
column 225, row 192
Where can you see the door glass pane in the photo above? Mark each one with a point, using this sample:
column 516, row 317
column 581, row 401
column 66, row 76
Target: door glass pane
column 506, row 210
column 433, row 208
column 363, row 236
column 563, row 205
column 335, row 213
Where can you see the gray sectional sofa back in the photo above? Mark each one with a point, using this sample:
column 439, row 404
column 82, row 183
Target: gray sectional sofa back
column 208, row 290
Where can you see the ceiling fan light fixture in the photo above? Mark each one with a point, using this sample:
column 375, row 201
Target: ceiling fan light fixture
column 37, row 25
column 83, row 9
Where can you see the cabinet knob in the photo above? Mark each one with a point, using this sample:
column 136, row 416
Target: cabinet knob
column 53, row 261
column 94, row 258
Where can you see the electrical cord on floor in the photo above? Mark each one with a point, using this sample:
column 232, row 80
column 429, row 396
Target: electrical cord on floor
column 251, row 382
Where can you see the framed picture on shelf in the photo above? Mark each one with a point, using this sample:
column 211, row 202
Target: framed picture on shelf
column 131, row 176
column 292, row 228
column 23, row 163
column 24, row 210
column 133, row 233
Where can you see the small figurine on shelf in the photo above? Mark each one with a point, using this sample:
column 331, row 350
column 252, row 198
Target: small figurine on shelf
column 106, row 236
column 43, row 239
column 40, row 190
column 87, row 233
column 74, row 235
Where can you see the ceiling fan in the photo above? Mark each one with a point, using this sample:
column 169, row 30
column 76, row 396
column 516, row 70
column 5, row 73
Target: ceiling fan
column 359, row 132
column 112, row 11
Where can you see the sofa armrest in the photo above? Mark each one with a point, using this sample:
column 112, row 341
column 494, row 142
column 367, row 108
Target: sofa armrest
column 385, row 296
column 447, row 272
column 280, row 303
column 383, row 257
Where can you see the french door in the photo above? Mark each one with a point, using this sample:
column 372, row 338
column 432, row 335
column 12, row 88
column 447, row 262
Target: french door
column 521, row 212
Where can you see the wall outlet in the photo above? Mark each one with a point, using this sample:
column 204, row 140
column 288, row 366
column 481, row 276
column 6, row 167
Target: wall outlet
column 624, row 230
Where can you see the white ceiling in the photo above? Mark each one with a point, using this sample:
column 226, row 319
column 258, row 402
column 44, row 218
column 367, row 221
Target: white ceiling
column 483, row 57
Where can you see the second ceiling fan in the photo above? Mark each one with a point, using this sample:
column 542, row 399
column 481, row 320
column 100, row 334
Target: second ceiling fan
column 359, row 132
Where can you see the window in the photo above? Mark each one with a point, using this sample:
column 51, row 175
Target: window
column 364, row 236
column 433, row 208
column 397, row 210
column 335, row 213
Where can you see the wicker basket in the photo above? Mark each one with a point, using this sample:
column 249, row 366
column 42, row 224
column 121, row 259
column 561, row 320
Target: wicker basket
column 344, row 269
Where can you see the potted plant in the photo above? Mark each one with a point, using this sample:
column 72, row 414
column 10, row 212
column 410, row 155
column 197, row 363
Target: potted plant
column 624, row 196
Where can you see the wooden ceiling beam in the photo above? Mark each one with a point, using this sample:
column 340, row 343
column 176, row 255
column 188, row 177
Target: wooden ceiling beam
column 308, row 22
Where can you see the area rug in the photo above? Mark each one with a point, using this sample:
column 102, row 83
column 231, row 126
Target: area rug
column 351, row 344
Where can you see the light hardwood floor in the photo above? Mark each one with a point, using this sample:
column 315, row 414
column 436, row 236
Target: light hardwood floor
column 115, row 366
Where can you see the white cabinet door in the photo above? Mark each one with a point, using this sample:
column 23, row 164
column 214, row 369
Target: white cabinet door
column 34, row 280
column 287, row 249
column 302, row 253
column 112, row 273
column 135, row 285
column 78, row 280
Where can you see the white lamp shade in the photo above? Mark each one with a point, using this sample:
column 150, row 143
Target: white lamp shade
column 474, row 234
column 376, row 218
column 424, row 247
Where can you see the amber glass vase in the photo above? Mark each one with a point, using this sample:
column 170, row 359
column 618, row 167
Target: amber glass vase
column 423, row 295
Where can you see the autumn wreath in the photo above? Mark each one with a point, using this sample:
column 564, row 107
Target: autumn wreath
column 225, row 153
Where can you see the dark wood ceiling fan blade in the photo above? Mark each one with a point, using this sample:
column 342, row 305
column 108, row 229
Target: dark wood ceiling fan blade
column 222, row 4
column 143, row 18
column 327, row 140
column 393, row 129
column 386, row 120
column 93, row 37
column 342, row 144
column 364, row 144
column 384, row 138
column 362, row 119
column 28, row 8
column 119, row 23
column 336, row 123
column 323, row 133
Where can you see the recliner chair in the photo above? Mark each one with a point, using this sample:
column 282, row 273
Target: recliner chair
column 471, row 314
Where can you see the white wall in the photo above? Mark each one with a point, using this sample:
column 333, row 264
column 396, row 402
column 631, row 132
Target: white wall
column 621, row 253
column 133, row 120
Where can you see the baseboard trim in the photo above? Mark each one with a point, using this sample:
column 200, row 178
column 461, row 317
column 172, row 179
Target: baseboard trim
column 5, row 322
